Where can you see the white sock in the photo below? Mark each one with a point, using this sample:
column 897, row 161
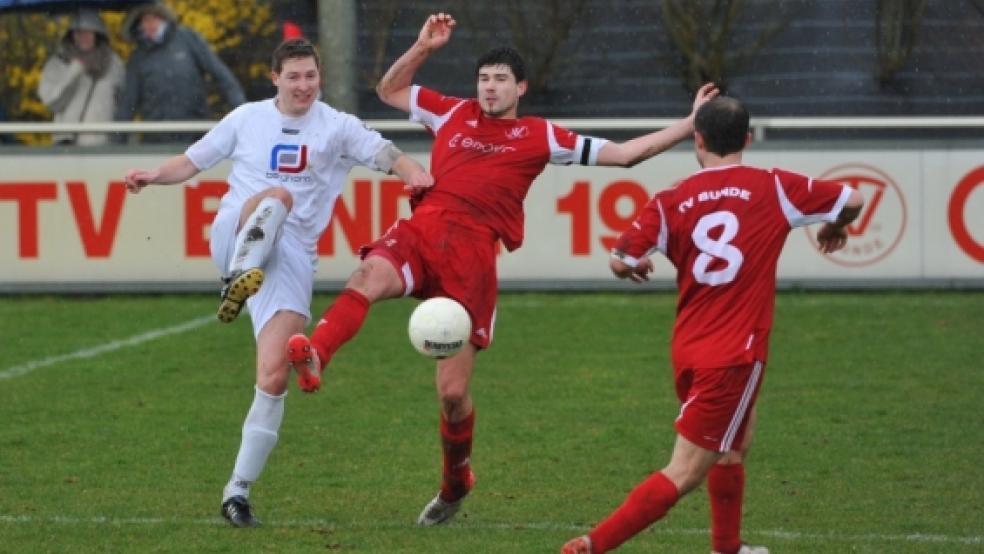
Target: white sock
column 259, row 437
column 255, row 240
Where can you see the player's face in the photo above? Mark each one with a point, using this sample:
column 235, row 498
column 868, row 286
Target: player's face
column 498, row 91
column 297, row 85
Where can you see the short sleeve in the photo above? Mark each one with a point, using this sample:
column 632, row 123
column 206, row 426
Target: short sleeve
column 805, row 201
column 362, row 143
column 568, row 147
column 431, row 108
column 219, row 143
column 648, row 233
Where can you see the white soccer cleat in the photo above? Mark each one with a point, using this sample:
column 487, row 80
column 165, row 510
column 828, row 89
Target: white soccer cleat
column 749, row 549
column 438, row 511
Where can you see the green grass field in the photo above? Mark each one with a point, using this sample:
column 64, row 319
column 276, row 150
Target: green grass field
column 120, row 418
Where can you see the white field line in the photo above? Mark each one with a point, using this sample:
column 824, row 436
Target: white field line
column 781, row 534
column 111, row 346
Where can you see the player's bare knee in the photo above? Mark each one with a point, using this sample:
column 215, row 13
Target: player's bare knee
column 361, row 279
column 452, row 403
column 452, row 398
column 686, row 479
column 272, row 376
column 732, row 457
column 273, row 384
column 375, row 278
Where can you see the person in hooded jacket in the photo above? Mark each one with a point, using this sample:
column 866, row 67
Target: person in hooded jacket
column 166, row 73
column 83, row 80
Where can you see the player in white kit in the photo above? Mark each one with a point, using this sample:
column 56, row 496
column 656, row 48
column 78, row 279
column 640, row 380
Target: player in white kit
column 291, row 155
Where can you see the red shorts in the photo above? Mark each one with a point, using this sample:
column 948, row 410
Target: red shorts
column 716, row 403
column 442, row 253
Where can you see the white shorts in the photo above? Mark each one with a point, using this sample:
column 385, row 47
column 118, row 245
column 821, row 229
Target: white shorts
column 288, row 274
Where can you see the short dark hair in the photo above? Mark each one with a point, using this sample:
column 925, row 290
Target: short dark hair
column 503, row 56
column 293, row 48
column 723, row 123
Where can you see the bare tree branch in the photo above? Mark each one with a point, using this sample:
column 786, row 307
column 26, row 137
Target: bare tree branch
column 382, row 31
column 896, row 31
column 702, row 32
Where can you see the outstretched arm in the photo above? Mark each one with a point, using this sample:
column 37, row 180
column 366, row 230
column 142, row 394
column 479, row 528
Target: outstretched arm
column 833, row 236
column 415, row 178
column 639, row 149
column 394, row 87
column 174, row 170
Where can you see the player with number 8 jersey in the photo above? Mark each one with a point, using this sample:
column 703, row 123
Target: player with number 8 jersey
column 723, row 229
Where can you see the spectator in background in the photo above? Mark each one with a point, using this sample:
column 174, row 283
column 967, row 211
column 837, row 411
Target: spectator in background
column 166, row 74
column 83, row 80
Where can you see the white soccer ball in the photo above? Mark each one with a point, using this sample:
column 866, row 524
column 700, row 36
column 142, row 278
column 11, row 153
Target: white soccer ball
column 439, row 327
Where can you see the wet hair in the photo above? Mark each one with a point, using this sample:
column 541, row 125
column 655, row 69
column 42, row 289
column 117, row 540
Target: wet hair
column 723, row 122
column 293, row 48
column 503, row 56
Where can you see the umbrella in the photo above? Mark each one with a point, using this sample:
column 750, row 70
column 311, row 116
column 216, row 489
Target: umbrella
column 64, row 6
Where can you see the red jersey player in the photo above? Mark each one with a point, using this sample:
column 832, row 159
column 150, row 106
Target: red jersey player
column 723, row 229
column 484, row 161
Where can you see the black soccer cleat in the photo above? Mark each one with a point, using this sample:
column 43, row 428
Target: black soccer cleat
column 237, row 512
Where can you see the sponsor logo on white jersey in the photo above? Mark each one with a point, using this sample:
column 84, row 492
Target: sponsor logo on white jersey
column 288, row 162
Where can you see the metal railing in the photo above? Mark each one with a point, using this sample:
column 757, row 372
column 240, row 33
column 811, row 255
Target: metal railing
column 759, row 126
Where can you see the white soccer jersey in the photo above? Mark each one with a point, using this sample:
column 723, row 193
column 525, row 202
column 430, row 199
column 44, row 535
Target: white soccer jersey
column 310, row 156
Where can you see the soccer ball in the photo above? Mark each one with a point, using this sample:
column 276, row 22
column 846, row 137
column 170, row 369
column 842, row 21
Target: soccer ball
column 439, row 327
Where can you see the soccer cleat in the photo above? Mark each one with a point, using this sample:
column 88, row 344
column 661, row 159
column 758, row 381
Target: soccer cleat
column 238, row 288
column 580, row 545
column 748, row 549
column 237, row 512
column 304, row 359
column 439, row 511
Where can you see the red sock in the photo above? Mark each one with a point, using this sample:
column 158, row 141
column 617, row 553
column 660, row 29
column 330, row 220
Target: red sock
column 646, row 504
column 726, row 486
column 456, row 442
column 340, row 322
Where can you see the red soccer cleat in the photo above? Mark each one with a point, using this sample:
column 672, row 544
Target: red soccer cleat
column 580, row 545
column 302, row 358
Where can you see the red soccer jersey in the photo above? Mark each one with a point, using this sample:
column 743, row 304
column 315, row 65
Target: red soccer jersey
column 723, row 229
column 484, row 166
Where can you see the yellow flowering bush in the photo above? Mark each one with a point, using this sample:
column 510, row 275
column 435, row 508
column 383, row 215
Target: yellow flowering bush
column 243, row 33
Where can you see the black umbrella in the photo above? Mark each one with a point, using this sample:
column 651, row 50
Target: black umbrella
column 65, row 6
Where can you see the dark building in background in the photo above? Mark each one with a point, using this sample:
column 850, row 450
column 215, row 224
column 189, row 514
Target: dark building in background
column 605, row 58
